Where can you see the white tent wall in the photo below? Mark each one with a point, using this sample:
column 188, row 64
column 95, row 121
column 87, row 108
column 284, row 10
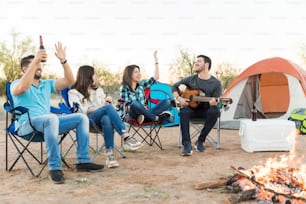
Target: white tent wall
column 297, row 100
column 227, row 117
column 297, row 96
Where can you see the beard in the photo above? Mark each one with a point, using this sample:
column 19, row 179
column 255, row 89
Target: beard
column 36, row 76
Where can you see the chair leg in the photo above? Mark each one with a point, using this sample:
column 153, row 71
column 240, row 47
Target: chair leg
column 151, row 136
column 197, row 130
column 15, row 142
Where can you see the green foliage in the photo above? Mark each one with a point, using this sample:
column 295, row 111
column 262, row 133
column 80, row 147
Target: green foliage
column 10, row 57
column 108, row 80
column 226, row 74
column 182, row 66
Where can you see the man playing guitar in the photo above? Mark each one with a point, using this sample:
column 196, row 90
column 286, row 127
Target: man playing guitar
column 212, row 88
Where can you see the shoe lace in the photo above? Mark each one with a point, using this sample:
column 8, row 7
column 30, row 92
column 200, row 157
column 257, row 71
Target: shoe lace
column 111, row 157
column 132, row 140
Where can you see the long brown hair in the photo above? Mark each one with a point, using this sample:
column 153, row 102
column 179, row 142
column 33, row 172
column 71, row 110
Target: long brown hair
column 127, row 75
column 84, row 80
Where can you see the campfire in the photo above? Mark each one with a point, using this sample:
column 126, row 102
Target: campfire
column 279, row 180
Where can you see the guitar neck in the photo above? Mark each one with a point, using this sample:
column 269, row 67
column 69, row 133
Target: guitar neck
column 200, row 98
column 207, row 99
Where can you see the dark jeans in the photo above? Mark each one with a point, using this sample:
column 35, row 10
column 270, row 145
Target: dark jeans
column 210, row 116
column 136, row 109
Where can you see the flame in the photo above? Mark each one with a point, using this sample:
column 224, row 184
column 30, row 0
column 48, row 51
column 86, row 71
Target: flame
column 284, row 175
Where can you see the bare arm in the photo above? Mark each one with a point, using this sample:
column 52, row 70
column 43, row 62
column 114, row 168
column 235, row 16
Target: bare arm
column 68, row 78
column 29, row 72
column 156, row 73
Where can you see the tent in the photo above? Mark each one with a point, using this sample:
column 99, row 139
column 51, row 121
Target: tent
column 274, row 86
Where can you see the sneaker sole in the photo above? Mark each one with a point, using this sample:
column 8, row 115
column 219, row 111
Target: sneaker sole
column 129, row 148
column 196, row 148
column 112, row 165
column 57, row 182
column 88, row 170
column 186, row 154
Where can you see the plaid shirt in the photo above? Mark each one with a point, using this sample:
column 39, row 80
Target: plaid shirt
column 138, row 95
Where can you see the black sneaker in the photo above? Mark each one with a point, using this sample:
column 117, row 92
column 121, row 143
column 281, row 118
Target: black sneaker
column 199, row 146
column 187, row 149
column 163, row 116
column 57, row 176
column 89, row 167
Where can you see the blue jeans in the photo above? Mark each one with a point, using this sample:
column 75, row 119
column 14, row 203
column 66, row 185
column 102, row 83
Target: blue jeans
column 137, row 108
column 52, row 126
column 107, row 118
column 210, row 116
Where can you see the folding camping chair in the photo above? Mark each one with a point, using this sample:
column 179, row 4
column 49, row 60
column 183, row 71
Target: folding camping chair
column 148, row 131
column 24, row 143
column 198, row 123
column 93, row 128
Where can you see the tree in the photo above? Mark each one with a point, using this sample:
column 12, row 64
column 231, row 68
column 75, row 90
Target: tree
column 182, row 66
column 226, row 74
column 109, row 80
column 10, row 57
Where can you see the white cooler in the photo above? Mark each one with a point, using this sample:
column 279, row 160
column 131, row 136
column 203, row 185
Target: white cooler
column 267, row 135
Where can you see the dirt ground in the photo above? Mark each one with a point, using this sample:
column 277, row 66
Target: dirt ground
column 148, row 175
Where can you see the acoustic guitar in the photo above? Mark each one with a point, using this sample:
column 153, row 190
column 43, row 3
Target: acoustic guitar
column 196, row 96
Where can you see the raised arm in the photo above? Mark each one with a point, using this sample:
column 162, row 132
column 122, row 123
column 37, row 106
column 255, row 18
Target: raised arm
column 156, row 73
column 29, row 72
column 68, row 78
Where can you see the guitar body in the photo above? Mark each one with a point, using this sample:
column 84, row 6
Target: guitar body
column 189, row 93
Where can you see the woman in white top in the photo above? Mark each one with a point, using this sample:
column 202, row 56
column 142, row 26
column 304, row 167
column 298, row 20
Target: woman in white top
column 93, row 102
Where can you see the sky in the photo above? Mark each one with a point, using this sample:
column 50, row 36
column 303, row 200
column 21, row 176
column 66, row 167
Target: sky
column 117, row 33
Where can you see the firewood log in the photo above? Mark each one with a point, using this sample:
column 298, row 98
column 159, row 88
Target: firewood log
column 215, row 184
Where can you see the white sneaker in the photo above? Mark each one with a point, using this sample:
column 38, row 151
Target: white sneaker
column 111, row 162
column 164, row 115
column 140, row 119
column 131, row 144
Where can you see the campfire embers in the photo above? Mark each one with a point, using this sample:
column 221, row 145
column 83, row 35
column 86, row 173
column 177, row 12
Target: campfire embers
column 280, row 180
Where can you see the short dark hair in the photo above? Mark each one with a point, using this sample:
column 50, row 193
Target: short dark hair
column 206, row 60
column 26, row 60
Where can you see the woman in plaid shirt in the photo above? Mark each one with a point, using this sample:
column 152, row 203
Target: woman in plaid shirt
column 132, row 92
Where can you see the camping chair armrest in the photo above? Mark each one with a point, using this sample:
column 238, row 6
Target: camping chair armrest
column 64, row 109
column 19, row 110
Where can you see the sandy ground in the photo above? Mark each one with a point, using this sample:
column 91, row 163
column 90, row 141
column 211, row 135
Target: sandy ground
column 148, row 175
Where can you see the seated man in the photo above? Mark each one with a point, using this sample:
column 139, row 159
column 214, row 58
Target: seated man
column 209, row 85
column 34, row 93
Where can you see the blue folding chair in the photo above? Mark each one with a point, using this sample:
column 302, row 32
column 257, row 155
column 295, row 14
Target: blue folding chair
column 23, row 143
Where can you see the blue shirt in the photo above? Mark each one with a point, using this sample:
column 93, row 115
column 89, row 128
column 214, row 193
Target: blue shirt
column 36, row 99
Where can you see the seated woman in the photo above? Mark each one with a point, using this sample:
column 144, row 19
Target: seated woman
column 92, row 101
column 132, row 91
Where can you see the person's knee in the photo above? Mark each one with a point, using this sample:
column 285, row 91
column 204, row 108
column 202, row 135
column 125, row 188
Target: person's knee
column 214, row 112
column 167, row 102
column 105, row 120
column 82, row 118
column 185, row 110
column 53, row 120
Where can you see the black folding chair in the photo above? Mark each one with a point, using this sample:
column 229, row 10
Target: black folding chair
column 198, row 123
column 23, row 143
column 93, row 128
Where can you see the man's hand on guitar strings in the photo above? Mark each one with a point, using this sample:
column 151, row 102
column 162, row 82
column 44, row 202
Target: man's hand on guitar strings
column 183, row 101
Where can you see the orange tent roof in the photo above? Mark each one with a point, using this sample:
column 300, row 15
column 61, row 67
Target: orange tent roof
column 275, row 64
